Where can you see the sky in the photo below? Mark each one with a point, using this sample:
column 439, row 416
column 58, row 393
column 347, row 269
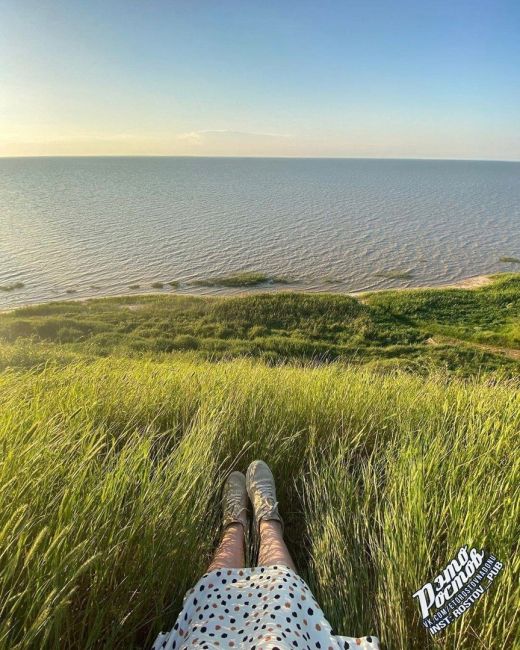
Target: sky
column 324, row 78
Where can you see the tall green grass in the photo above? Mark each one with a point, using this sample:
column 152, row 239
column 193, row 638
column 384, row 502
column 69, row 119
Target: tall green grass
column 110, row 472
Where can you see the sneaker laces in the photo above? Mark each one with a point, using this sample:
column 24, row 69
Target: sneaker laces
column 236, row 509
column 270, row 502
column 235, row 504
column 267, row 506
column 264, row 484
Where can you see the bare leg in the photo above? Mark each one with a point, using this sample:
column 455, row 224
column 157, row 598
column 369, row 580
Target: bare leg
column 230, row 551
column 272, row 547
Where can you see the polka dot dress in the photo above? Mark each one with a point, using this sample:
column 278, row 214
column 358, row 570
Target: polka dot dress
column 260, row 608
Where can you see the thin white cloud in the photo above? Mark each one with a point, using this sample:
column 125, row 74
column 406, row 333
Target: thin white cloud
column 198, row 137
column 193, row 137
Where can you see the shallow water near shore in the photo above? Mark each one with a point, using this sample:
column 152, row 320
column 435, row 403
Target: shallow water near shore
column 81, row 227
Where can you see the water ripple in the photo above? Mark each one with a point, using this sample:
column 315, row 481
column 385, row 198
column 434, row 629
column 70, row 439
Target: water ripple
column 73, row 223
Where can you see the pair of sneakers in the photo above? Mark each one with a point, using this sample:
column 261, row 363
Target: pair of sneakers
column 258, row 484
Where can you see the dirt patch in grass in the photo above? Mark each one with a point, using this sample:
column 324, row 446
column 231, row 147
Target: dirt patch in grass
column 494, row 349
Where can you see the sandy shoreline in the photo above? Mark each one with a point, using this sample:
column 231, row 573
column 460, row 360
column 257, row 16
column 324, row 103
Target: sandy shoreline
column 474, row 282
column 471, row 283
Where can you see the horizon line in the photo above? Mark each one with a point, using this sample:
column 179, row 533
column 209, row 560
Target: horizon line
column 252, row 157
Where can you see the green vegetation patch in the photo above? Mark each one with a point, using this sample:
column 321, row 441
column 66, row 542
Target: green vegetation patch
column 395, row 275
column 12, row 286
column 245, row 279
column 490, row 314
column 157, row 285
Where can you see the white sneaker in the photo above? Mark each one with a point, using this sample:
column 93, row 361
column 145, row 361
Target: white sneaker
column 262, row 492
column 234, row 500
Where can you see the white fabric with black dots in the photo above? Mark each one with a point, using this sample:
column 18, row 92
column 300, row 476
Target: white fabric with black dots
column 264, row 608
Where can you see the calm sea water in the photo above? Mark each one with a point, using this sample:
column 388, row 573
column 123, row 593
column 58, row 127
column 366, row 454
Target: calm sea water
column 68, row 224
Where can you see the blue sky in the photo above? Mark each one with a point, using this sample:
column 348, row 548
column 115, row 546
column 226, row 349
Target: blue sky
column 324, row 78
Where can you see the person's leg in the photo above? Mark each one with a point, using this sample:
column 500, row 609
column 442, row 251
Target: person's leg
column 273, row 550
column 230, row 551
column 262, row 492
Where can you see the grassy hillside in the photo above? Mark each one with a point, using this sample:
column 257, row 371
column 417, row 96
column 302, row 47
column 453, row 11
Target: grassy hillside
column 114, row 450
column 455, row 329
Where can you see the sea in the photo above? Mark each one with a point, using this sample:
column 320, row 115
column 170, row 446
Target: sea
column 85, row 227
